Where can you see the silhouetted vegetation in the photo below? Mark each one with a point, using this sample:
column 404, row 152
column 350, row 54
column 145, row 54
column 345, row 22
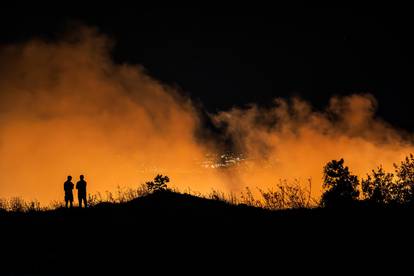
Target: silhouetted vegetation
column 385, row 188
column 133, row 224
column 341, row 187
column 287, row 196
column 405, row 180
column 379, row 188
column 284, row 196
column 159, row 184
column 17, row 204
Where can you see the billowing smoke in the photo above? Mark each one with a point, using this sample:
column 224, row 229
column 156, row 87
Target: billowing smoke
column 293, row 141
column 67, row 108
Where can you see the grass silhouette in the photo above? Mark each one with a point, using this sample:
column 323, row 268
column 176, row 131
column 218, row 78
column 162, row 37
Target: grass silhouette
column 137, row 230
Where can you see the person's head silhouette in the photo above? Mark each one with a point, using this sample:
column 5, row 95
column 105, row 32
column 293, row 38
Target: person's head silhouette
column 81, row 177
column 69, row 178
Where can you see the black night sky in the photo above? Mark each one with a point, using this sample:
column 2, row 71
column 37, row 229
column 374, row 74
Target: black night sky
column 226, row 56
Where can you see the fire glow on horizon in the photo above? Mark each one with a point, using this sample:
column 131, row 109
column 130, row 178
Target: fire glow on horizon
column 67, row 108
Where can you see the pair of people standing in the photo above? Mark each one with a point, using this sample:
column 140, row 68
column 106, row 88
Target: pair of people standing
column 80, row 186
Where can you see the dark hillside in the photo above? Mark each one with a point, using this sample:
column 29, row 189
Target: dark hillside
column 175, row 230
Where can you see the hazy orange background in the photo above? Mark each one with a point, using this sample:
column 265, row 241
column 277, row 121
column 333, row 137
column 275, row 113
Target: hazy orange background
column 67, row 108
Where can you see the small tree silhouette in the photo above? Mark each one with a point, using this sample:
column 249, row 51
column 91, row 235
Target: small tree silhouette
column 405, row 183
column 341, row 187
column 158, row 184
column 379, row 187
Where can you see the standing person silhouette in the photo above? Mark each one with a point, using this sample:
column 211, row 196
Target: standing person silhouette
column 81, row 187
column 68, row 187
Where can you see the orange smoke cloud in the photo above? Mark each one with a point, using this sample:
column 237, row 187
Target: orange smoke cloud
column 67, row 108
column 292, row 141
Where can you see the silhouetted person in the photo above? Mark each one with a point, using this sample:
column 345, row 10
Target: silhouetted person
column 81, row 187
column 68, row 187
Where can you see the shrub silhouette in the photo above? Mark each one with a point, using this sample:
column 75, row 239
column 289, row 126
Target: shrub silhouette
column 405, row 180
column 379, row 187
column 247, row 198
column 16, row 204
column 341, row 187
column 158, row 184
column 19, row 205
column 287, row 196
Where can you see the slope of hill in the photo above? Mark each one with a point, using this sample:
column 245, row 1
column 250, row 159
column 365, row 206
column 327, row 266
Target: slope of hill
column 169, row 230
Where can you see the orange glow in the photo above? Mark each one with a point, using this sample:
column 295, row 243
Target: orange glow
column 66, row 108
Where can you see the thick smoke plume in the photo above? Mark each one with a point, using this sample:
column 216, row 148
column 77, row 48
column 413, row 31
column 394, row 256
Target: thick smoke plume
column 67, row 108
column 293, row 141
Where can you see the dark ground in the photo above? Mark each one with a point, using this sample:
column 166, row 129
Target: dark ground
column 181, row 233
